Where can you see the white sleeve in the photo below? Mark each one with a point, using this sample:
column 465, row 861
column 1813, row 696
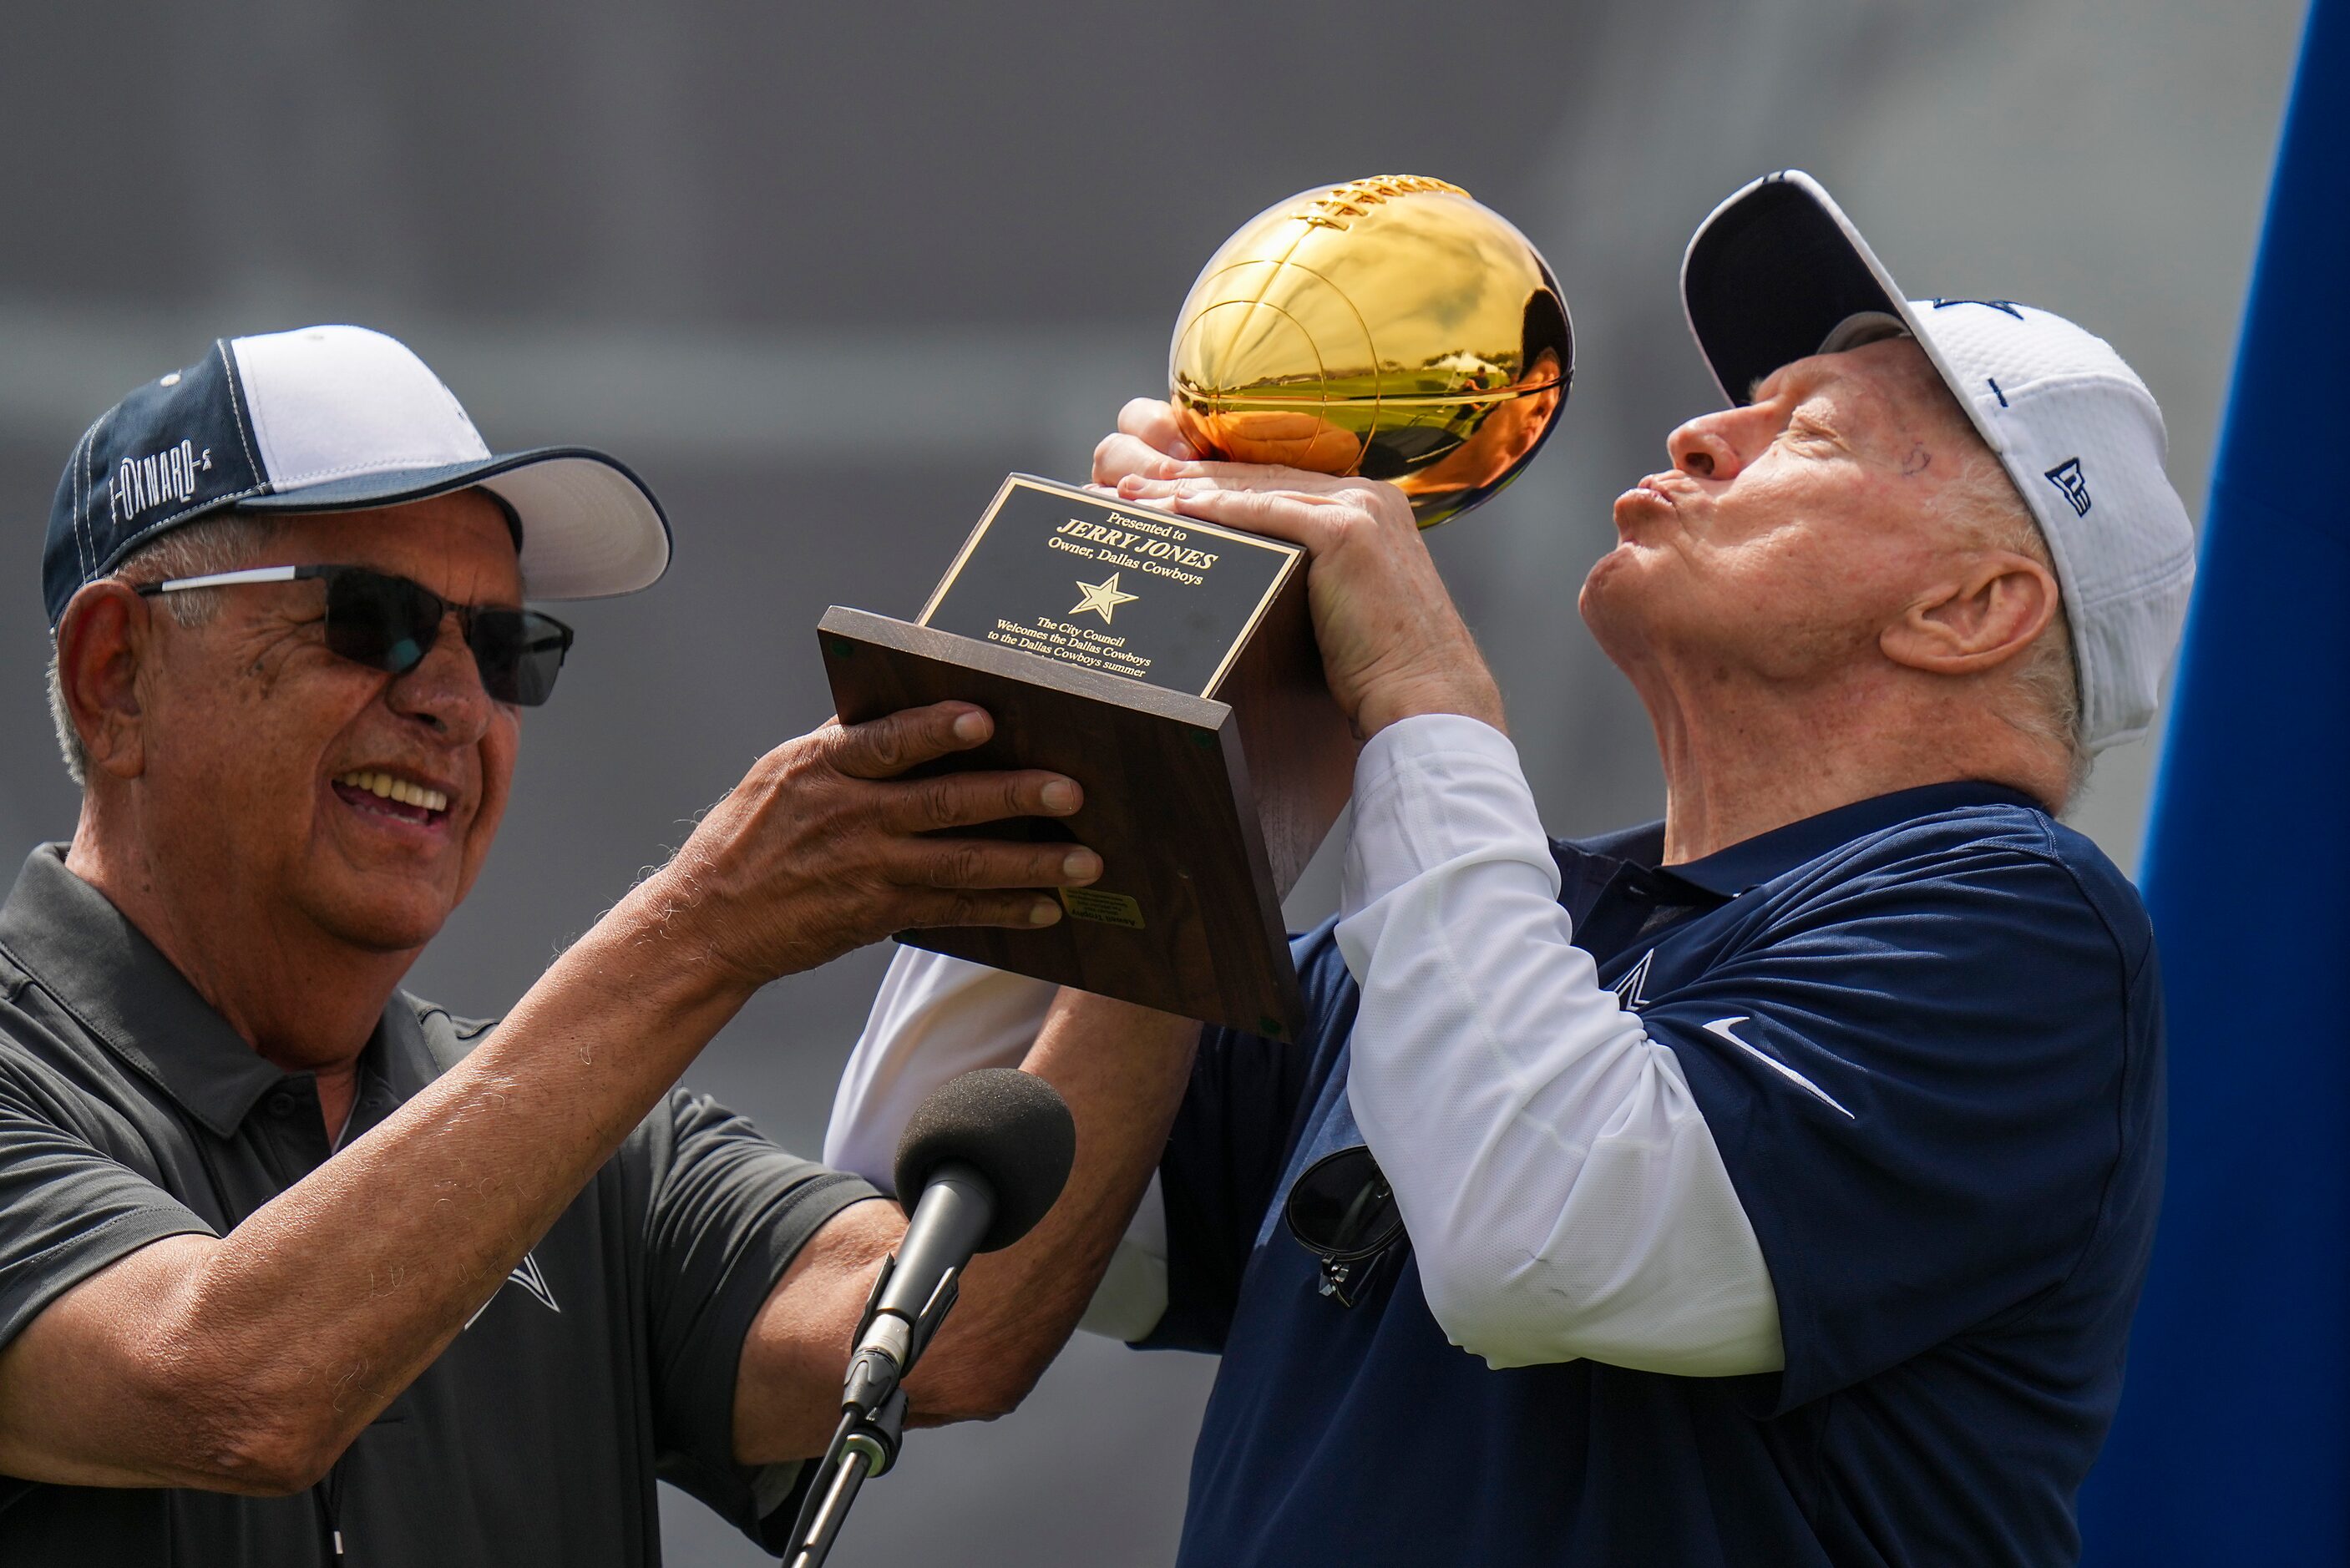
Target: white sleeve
column 936, row 1017
column 1563, row 1192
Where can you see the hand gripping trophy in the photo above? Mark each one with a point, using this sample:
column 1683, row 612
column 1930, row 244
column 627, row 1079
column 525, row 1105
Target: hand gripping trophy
column 1391, row 327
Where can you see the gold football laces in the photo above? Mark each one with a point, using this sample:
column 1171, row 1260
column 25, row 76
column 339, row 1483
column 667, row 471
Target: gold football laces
column 1356, row 198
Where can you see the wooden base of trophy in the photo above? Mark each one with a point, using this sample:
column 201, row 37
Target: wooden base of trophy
column 1204, row 808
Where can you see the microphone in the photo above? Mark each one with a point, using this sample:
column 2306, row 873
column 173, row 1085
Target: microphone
column 988, row 1154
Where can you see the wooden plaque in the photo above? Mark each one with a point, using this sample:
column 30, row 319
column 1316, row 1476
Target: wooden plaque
column 1168, row 665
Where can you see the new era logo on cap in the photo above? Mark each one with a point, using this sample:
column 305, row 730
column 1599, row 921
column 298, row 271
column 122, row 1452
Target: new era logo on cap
column 333, row 419
column 2067, row 477
column 1777, row 273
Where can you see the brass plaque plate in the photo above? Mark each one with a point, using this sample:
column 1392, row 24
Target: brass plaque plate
column 1060, row 573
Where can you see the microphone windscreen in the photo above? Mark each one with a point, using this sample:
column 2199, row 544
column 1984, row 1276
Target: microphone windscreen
column 1012, row 1127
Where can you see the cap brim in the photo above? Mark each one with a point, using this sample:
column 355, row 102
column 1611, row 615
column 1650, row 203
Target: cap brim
column 1774, row 271
column 590, row 528
column 1771, row 274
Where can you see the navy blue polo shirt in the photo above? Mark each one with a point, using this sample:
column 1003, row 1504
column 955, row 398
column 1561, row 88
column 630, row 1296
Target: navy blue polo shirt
column 1943, row 1116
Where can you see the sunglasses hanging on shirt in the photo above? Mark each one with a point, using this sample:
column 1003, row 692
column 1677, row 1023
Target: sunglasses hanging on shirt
column 1343, row 1212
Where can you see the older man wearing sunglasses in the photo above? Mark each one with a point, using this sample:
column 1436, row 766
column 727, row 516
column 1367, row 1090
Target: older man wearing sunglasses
column 295, row 1267
column 1771, row 1184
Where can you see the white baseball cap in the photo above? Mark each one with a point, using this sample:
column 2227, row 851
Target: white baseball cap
column 1777, row 273
column 336, row 418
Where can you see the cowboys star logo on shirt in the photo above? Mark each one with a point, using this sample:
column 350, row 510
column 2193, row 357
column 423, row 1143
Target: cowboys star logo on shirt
column 1632, row 990
column 533, row 1284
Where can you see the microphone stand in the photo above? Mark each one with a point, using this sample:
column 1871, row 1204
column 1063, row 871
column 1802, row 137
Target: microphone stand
column 872, row 1423
column 865, row 1446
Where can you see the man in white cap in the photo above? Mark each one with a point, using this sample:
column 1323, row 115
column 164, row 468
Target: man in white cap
column 296, row 1268
column 1771, row 1184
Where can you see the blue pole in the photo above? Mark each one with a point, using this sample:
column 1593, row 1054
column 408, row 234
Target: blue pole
column 2232, row 1444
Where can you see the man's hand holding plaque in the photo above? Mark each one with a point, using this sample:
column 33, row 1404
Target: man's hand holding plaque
column 1392, row 643
column 1356, row 364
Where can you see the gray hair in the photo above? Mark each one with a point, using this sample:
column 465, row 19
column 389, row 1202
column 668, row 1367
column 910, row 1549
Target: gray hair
column 221, row 542
column 1982, row 503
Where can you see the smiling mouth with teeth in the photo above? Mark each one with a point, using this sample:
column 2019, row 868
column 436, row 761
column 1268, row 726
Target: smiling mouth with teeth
column 392, row 796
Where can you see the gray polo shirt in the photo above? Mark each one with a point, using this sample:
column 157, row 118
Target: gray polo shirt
column 130, row 1111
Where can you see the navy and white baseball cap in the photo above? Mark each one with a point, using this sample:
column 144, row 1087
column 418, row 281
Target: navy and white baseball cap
column 1777, row 273
column 335, row 418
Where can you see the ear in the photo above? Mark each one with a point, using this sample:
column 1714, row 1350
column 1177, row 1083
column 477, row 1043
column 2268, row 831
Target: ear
column 103, row 642
column 1975, row 622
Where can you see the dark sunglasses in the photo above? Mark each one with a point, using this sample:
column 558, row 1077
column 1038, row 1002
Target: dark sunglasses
column 390, row 623
column 1343, row 1212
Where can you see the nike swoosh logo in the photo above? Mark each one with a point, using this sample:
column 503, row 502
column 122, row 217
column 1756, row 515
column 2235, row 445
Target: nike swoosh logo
column 1721, row 1027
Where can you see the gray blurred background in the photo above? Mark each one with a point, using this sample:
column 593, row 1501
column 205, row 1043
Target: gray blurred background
column 823, row 274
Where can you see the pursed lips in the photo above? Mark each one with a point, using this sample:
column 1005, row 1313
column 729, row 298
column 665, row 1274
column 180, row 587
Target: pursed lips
column 1649, row 489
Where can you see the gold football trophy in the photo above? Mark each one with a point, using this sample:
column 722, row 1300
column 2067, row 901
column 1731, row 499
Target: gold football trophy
column 1389, row 327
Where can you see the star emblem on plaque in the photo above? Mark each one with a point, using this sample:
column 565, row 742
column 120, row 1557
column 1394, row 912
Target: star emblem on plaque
column 1102, row 597
column 1390, row 328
